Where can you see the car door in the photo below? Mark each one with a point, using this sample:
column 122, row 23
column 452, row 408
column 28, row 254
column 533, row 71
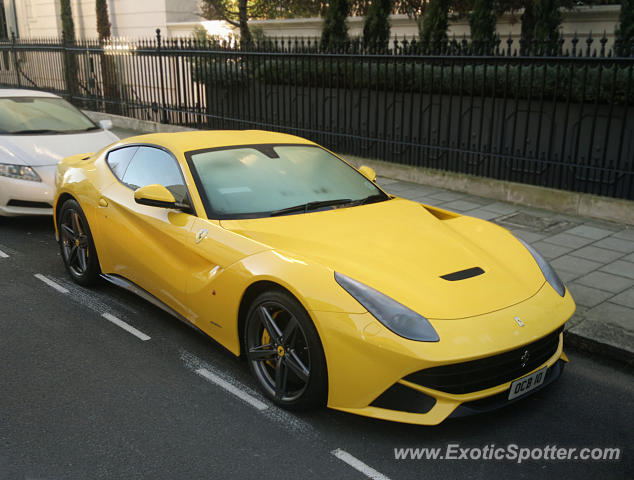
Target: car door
column 149, row 246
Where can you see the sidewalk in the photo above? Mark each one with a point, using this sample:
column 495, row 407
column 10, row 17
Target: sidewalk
column 595, row 259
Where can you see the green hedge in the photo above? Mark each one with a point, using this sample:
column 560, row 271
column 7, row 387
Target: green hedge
column 560, row 82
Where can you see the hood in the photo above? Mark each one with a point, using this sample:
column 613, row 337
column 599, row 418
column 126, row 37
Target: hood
column 42, row 150
column 402, row 249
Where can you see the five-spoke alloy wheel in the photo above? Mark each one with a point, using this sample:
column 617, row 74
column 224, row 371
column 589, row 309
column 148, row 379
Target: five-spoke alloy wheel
column 284, row 351
column 76, row 245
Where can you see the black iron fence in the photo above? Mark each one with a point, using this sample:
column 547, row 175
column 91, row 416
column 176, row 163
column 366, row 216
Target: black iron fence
column 533, row 112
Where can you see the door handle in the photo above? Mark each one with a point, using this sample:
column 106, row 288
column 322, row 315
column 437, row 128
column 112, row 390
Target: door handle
column 103, row 202
column 202, row 234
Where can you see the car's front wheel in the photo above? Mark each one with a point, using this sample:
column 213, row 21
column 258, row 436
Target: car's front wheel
column 76, row 244
column 284, row 352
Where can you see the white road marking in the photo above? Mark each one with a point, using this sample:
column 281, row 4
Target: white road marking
column 358, row 465
column 254, row 402
column 285, row 418
column 51, row 283
column 3, row 255
column 126, row 327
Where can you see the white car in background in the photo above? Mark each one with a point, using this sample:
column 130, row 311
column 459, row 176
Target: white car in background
column 37, row 130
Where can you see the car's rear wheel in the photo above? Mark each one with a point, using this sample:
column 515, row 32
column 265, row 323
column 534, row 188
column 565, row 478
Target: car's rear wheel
column 284, row 352
column 76, row 244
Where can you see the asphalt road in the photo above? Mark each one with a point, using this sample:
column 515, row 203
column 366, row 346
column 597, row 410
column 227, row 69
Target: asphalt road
column 82, row 398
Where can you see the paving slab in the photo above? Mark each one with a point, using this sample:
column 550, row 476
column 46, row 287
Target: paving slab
column 501, row 208
column 461, row 205
column 568, row 240
column 590, row 232
column 617, row 244
column 588, row 296
column 606, row 281
column 598, row 254
column 551, row 251
column 567, row 276
column 625, row 298
column 625, row 234
column 447, row 196
column 620, row 267
column 528, row 236
column 575, row 264
column 482, row 214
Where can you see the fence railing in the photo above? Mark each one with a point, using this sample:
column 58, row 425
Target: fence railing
column 552, row 118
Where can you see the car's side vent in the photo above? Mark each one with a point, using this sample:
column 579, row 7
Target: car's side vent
column 463, row 274
column 440, row 214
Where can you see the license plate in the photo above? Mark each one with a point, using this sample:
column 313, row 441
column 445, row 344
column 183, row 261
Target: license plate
column 526, row 384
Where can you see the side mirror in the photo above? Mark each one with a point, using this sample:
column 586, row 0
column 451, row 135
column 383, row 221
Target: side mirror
column 105, row 124
column 155, row 196
column 368, row 172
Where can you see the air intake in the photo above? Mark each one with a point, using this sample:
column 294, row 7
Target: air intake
column 463, row 274
column 28, row 204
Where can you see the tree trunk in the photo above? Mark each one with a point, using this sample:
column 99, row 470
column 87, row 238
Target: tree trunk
column 108, row 66
column 528, row 27
column 68, row 38
column 243, row 16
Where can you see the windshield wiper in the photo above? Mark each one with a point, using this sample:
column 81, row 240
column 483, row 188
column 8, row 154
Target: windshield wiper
column 305, row 207
column 371, row 199
column 27, row 132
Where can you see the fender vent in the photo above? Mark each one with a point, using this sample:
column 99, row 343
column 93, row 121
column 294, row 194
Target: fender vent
column 463, row 274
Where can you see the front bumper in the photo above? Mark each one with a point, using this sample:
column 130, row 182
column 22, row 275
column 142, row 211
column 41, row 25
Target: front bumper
column 24, row 197
column 446, row 405
column 365, row 360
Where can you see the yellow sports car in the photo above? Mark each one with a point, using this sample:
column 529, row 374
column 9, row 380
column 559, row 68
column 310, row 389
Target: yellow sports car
column 336, row 292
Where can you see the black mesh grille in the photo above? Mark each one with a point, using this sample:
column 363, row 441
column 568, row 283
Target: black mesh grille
column 28, row 204
column 490, row 371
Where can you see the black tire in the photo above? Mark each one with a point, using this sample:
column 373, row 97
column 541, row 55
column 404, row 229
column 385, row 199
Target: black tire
column 290, row 371
column 76, row 245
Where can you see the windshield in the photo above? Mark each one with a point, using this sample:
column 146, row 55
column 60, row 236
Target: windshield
column 24, row 115
column 263, row 180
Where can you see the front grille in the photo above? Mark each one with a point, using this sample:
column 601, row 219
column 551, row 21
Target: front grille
column 500, row 400
column 488, row 372
column 28, row 204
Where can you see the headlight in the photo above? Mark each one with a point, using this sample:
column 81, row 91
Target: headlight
column 19, row 171
column 548, row 271
column 398, row 318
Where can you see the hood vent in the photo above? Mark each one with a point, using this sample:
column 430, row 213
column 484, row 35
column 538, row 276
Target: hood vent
column 463, row 274
column 439, row 213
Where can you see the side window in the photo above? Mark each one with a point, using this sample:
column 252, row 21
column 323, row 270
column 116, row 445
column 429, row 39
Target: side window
column 153, row 166
column 119, row 160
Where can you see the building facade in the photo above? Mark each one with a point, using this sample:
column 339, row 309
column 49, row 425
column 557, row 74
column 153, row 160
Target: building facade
column 129, row 18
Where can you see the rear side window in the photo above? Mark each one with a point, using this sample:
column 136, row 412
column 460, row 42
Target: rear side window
column 154, row 166
column 119, row 159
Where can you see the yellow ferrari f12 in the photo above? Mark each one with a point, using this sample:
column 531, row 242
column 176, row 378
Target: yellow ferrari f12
column 336, row 293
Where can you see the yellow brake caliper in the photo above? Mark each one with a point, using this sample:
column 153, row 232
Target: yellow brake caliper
column 266, row 339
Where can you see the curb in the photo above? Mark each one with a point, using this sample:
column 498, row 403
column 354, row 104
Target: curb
column 605, row 350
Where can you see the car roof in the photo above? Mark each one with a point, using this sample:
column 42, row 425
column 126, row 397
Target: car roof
column 182, row 142
column 21, row 92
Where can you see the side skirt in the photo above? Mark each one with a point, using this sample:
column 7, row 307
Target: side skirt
column 147, row 296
